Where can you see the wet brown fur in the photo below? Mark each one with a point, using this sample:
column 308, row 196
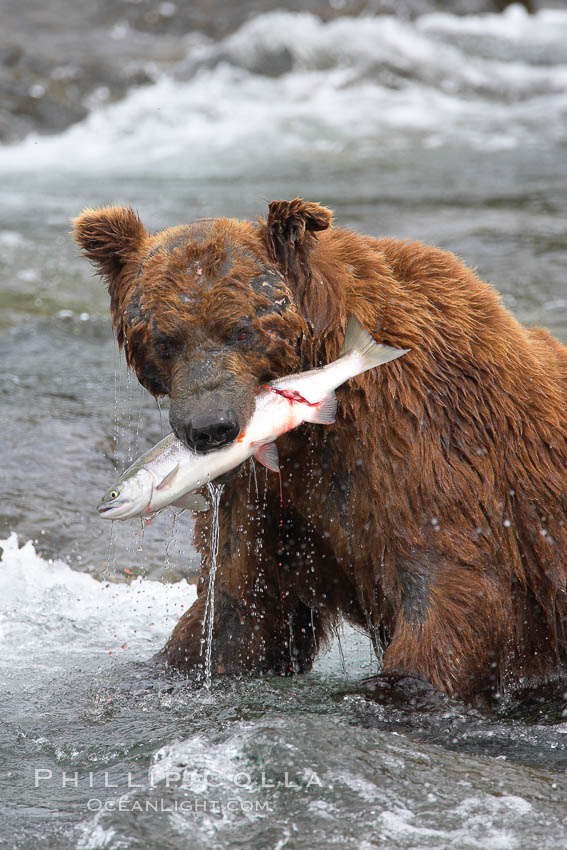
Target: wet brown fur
column 433, row 514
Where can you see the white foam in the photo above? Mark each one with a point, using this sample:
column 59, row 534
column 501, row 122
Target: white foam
column 197, row 761
column 547, row 26
column 11, row 239
column 475, row 808
column 95, row 836
column 401, row 823
column 354, row 84
column 68, row 617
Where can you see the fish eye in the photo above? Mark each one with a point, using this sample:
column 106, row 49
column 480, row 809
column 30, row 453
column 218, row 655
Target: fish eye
column 114, row 494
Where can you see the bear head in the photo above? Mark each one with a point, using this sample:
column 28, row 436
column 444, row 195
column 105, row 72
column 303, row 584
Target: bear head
column 209, row 311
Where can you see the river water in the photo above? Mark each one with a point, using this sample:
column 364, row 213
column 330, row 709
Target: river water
column 450, row 130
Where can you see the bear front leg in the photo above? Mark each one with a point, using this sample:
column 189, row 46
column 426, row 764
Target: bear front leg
column 447, row 635
column 269, row 616
column 265, row 636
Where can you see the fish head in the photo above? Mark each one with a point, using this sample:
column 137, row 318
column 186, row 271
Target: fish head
column 129, row 497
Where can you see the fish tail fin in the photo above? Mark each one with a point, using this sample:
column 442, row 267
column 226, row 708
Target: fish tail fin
column 323, row 413
column 357, row 340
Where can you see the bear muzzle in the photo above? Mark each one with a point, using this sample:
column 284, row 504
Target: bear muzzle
column 206, row 431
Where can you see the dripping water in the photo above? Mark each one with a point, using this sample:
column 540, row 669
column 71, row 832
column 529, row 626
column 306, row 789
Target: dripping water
column 117, row 387
column 337, row 630
column 128, row 426
column 170, row 539
column 158, row 402
column 253, row 476
column 139, row 422
column 111, row 553
column 215, row 492
column 140, row 536
column 265, row 489
column 314, row 631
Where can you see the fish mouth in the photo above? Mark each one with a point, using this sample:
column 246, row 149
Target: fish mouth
column 115, row 508
column 104, row 507
column 124, row 509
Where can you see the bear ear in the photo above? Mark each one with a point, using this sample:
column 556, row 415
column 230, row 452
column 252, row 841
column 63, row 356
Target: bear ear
column 110, row 237
column 290, row 228
column 290, row 235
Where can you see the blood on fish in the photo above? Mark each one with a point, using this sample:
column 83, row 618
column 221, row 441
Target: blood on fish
column 292, row 396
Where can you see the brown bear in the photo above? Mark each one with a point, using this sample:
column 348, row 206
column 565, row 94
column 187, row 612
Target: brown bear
column 432, row 514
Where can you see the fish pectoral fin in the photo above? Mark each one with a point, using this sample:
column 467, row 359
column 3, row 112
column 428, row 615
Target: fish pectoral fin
column 267, row 455
column 168, row 478
column 192, row 502
column 325, row 412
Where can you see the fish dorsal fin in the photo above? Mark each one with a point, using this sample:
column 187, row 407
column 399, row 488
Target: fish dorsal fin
column 168, row 478
column 192, row 502
column 358, row 340
column 267, row 455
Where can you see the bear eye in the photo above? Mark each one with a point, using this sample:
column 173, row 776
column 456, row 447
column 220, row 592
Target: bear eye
column 163, row 347
column 243, row 333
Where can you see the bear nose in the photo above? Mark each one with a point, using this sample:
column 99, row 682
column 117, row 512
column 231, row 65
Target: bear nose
column 211, row 431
